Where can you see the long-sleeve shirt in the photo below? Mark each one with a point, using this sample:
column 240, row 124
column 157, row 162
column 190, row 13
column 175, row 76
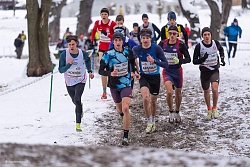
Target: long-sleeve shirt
column 63, row 67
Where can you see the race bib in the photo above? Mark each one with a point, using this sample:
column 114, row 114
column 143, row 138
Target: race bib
column 122, row 68
column 211, row 60
column 170, row 57
column 148, row 67
column 74, row 72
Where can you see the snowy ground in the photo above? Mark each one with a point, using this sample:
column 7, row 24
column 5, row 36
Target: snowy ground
column 25, row 117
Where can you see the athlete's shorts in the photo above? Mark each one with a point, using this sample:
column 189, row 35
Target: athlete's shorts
column 100, row 53
column 152, row 82
column 208, row 77
column 118, row 94
column 173, row 75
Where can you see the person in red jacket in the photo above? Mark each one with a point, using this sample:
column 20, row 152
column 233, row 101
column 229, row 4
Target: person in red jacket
column 105, row 27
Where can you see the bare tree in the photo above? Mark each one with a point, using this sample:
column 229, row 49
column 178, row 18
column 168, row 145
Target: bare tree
column 190, row 12
column 39, row 55
column 215, row 18
column 226, row 7
column 84, row 17
column 244, row 4
column 54, row 25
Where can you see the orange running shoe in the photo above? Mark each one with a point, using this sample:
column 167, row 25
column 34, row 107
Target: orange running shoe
column 104, row 96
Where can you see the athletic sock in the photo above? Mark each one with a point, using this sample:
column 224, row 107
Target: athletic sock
column 125, row 133
column 104, row 90
column 150, row 120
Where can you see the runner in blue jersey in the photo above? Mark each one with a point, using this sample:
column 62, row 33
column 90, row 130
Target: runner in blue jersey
column 119, row 65
column 174, row 50
column 151, row 58
column 73, row 63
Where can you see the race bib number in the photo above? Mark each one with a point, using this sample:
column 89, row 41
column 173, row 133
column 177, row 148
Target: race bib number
column 148, row 67
column 122, row 68
column 170, row 57
column 74, row 72
column 211, row 60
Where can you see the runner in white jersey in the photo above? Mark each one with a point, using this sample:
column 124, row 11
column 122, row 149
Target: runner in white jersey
column 73, row 63
column 206, row 55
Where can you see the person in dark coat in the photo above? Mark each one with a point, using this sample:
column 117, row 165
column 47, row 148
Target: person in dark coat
column 19, row 46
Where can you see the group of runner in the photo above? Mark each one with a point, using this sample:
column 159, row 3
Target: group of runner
column 123, row 59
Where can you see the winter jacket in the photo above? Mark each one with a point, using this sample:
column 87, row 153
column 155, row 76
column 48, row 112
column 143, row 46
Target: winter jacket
column 232, row 32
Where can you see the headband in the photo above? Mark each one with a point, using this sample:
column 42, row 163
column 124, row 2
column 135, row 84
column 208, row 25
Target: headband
column 146, row 34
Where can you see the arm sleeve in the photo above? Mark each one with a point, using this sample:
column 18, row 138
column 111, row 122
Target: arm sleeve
column 184, row 51
column 63, row 67
column 111, row 45
column 132, row 61
column 158, row 32
column 87, row 61
column 138, row 34
column 103, row 69
column 93, row 32
column 196, row 55
column 220, row 48
column 163, row 35
column 160, row 55
column 240, row 32
column 184, row 32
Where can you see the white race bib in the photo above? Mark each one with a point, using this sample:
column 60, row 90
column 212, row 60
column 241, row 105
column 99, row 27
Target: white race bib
column 148, row 67
column 74, row 72
column 122, row 68
column 211, row 60
column 170, row 57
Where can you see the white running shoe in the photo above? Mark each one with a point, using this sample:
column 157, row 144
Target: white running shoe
column 171, row 117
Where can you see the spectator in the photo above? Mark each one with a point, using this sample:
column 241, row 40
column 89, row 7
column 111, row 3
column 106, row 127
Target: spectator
column 232, row 32
column 19, row 46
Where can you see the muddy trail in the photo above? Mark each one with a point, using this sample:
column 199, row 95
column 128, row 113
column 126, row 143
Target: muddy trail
column 227, row 135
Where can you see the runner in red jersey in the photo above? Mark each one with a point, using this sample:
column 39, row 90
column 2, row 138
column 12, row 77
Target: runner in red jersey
column 105, row 27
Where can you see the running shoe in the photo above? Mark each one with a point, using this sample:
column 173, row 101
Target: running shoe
column 216, row 114
column 149, row 128
column 125, row 141
column 209, row 115
column 177, row 117
column 104, row 96
column 171, row 117
column 78, row 127
column 153, row 127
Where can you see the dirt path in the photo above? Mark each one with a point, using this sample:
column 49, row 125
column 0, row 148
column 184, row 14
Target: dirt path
column 229, row 135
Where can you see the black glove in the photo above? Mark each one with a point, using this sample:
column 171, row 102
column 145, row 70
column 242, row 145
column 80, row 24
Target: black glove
column 204, row 57
column 104, row 32
column 223, row 62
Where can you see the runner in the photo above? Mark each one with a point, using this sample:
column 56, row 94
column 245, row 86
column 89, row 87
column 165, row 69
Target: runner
column 172, row 22
column 206, row 55
column 106, row 27
column 151, row 58
column 73, row 63
column 174, row 50
column 120, row 65
column 151, row 26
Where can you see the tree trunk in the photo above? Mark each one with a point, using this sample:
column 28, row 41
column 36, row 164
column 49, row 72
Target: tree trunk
column 244, row 4
column 226, row 7
column 54, row 25
column 39, row 55
column 84, row 17
column 215, row 19
column 189, row 11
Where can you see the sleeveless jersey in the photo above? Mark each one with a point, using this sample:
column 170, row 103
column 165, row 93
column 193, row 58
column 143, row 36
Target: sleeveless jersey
column 211, row 62
column 150, row 26
column 77, row 72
